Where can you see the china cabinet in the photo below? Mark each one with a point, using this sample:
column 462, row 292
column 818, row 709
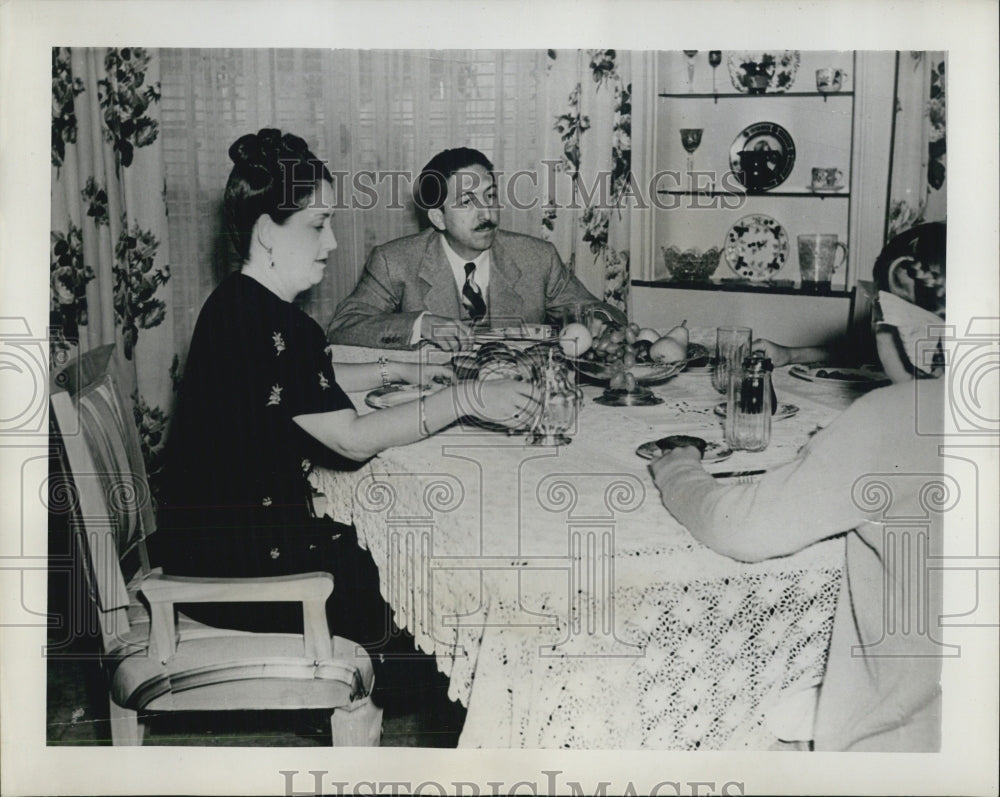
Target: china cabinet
column 729, row 162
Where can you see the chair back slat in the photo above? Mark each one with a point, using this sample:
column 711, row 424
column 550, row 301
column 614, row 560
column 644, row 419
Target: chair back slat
column 114, row 505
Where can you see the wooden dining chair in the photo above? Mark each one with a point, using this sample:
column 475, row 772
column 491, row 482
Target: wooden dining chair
column 155, row 658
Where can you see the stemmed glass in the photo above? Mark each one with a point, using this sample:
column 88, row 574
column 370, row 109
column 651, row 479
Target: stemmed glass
column 690, row 140
column 690, row 56
column 714, row 59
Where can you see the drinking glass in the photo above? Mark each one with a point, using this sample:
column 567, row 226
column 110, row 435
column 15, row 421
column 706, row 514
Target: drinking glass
column 690, row 54
column 732, row 344
column 691, row 140
column 572, row 314
column 560, row 403
column 714, row 59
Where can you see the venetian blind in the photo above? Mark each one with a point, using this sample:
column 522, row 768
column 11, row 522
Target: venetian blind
column 368, row 113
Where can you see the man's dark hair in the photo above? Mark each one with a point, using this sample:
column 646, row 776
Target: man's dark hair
column 926, row 245
column 431, row 188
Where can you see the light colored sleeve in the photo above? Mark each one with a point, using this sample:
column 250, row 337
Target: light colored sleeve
column 562, row 289
column 370, row 316
column 791, row 507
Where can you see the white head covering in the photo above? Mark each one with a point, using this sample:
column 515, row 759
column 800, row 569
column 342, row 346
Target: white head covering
column 919, row 330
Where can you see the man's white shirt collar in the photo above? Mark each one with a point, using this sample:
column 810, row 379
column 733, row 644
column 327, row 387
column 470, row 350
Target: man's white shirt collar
column 457, row 263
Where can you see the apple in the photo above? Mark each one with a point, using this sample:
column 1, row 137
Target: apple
column 575, row 340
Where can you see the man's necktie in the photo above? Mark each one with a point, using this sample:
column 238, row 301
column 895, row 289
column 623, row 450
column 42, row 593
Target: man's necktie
column 472, row 297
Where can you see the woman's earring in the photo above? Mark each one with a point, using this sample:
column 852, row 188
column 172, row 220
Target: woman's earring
column 270, row 257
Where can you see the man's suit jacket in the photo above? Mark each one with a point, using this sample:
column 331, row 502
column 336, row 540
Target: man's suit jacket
column 411, row 275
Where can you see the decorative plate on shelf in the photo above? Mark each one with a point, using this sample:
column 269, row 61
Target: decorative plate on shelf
column 756, row 247
column 777, row 155
column 780, row 67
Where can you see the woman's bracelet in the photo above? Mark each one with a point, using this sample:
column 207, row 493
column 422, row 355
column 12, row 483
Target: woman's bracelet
column 423, row 418
column 383, row 369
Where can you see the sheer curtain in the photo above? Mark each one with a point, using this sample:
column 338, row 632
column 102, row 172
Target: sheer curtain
column 918, row 189
column 375, row 116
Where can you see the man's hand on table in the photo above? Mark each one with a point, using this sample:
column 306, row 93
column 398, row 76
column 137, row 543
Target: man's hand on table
column 449, row 334
column 673, row 456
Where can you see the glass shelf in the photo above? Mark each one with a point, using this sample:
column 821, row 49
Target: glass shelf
column 786, row 287
column 742, row 95
column 794, row 194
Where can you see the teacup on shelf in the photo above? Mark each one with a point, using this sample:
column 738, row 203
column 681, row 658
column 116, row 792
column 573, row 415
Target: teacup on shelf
column 830, row 80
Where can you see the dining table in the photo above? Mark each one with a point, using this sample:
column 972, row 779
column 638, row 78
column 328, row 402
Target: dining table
column 566, row 605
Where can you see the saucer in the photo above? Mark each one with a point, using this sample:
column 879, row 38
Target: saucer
column 829, row 189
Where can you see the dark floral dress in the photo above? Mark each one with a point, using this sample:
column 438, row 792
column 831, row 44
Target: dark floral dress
column 236, row 500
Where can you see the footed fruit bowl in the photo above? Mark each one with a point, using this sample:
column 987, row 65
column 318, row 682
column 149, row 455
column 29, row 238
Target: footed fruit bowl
column 601, row 373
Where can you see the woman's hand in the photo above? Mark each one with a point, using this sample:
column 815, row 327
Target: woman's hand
column 420, row 373
column 508, row 402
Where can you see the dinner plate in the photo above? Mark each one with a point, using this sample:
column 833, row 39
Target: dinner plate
column 393, row 395
column 715, row 451
column 844, row 377
column 765, row 136
column 756, row 247
column 784, row 411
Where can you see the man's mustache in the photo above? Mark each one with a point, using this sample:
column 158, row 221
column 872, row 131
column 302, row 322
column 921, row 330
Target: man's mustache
column 486, row 225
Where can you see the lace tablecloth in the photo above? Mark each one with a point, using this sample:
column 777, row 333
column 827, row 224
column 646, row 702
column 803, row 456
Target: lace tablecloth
column 566, row 605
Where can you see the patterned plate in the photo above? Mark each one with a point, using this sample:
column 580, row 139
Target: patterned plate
column 784, row 411
column 765, row 137
column 756, row 247
column 715, row 451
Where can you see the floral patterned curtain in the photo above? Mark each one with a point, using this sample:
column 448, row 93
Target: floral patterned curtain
column 918, row 191
column 109, row 255
column 589, row 99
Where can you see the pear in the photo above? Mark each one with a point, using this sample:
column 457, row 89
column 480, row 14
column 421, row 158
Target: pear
column 647, row 333
column 667, row 350
column 680, row 334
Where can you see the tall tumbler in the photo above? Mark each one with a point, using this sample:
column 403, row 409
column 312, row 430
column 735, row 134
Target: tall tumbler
column 732, row 344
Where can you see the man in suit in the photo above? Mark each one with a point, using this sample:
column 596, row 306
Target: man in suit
column 461, row 271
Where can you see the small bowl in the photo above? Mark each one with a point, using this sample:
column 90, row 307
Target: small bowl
column 690, row 265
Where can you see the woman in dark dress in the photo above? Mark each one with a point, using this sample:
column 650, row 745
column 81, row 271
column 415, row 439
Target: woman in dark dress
column 260, row 406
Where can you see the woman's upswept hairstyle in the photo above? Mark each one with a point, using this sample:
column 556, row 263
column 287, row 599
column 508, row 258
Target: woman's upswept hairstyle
column 273, row 173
